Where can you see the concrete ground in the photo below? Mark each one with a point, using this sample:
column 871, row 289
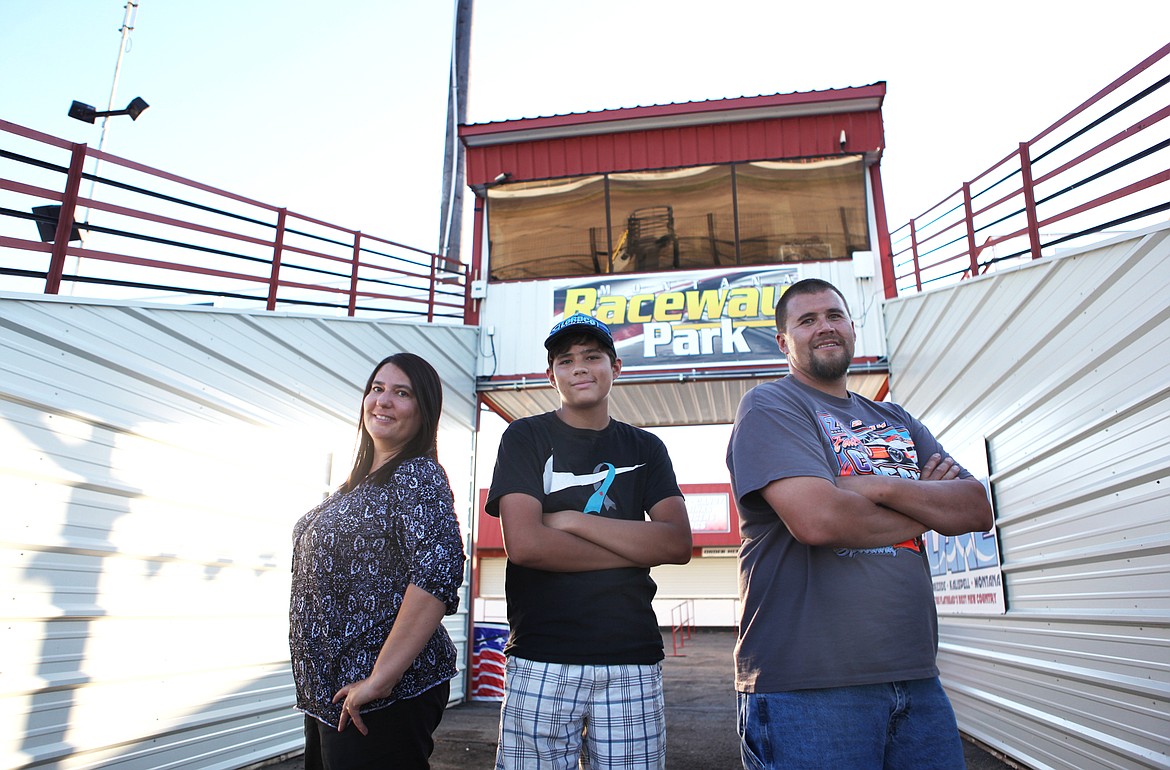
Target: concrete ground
column 700, row 716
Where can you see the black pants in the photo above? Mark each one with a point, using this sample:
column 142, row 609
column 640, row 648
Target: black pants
column 399, row 736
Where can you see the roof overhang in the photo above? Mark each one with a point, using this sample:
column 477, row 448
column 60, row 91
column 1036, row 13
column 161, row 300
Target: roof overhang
column 830, row 102
column 661, row 399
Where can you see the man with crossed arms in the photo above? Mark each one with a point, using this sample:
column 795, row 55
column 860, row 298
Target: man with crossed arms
column 835, row 663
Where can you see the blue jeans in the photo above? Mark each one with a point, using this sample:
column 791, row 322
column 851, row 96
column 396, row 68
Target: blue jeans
column 866, row 727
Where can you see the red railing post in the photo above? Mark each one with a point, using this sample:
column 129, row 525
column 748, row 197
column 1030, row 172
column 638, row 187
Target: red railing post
column 65, row 220
column 277, row 248
column 885, row 248
column 467, row 296
column 1029, row 200
column 475, row 272
column 970, row 219
column 431, row 292
column 914, row 257
column 353, row 275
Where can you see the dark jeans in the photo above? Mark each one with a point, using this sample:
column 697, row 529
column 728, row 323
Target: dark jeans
column 399, row 736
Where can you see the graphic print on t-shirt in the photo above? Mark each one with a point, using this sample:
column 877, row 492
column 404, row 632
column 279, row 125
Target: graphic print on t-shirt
column 882, row 449
column 603, row 475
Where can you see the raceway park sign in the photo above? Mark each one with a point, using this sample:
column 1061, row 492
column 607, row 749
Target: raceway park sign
column 698, row 319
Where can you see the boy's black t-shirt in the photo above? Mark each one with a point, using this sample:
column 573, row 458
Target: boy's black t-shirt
column 600, row 617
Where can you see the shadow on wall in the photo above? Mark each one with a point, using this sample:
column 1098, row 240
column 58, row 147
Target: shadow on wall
column 110, row 629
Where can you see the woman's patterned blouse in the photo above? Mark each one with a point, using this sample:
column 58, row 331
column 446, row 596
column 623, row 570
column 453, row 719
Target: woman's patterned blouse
column 353, row 557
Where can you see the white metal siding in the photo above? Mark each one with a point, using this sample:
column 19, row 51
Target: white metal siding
column 1062, row 368
column 491, row 577
column 701, row 578
column 152, row 463
column 708, row 589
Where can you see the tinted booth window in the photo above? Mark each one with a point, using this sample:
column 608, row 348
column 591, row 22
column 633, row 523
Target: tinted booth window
column 678, row 219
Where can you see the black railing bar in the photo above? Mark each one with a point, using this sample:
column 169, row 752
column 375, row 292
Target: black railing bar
column 1005, row 217
column 932, row 250
column 1116, row 166
column 19, row 273
column 365, row 250
column 1119, row 108
column 261, row 260
column 134, row 188
column 208, row 292
column 169, row 242
column 1158, row 209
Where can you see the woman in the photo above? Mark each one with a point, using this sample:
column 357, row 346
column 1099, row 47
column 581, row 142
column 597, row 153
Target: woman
column 375, row 568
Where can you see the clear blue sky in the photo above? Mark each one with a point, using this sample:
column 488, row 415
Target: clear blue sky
column 336, row 110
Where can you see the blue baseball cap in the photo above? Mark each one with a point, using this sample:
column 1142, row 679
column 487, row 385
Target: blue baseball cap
column 579, row 323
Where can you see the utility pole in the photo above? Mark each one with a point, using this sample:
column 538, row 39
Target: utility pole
column 129, row 16
column 128, row 19
column 451, row 216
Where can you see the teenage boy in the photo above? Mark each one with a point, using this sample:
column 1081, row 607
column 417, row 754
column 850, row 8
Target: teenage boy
column 573, row 489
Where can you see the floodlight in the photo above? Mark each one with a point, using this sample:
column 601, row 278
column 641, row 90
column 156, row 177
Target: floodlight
column 46, row 218
column 86, row 113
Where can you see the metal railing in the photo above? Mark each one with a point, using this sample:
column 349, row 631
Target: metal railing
column 682, row 625
column 1103, row 167
column 146, row 234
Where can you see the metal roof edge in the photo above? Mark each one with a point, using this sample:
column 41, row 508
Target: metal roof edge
column 739, row 109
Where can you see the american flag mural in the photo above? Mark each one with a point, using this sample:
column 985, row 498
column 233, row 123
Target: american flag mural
column 487, row 662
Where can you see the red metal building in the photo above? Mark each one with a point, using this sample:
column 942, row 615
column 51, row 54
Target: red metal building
column 631, row 214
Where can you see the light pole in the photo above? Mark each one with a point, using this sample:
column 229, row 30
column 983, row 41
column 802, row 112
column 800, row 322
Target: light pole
column 89, row 114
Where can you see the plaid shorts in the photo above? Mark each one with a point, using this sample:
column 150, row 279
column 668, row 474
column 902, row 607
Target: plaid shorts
column 550, row 707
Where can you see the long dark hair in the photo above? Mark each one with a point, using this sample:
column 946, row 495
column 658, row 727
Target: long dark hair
column 428, row 395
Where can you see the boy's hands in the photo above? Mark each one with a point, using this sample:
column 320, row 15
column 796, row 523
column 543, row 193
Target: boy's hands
column 562, row 520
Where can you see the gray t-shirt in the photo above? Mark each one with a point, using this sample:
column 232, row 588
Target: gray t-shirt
column 815, row 617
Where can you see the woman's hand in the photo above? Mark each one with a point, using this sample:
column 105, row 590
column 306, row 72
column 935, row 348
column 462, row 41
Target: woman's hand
column 355, row 695
column 418, row 617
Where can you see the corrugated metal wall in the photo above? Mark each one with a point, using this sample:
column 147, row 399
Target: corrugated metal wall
column 1062, row 368
column 152, row 463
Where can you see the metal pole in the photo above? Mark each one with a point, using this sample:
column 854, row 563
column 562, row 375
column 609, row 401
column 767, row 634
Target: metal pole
column 128, row 18
column 1029, row 200
column 972, row 252
column 451, row 214
column 277, row 252
column 65, row 220
column 127, row 27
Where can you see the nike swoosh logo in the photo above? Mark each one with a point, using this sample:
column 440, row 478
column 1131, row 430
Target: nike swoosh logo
column 555, row 481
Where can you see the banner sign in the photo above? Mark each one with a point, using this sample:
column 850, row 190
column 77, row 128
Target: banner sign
column 685, row 319
column 709, row 512
column 966, row 573
column 966, row 569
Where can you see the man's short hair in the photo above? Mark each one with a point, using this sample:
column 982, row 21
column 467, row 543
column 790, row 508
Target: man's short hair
column 807, row 286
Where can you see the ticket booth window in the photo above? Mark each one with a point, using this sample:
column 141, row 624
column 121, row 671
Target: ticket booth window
column 794, row 211
column 672, row 220
column 547, row 229
column 699, row 217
